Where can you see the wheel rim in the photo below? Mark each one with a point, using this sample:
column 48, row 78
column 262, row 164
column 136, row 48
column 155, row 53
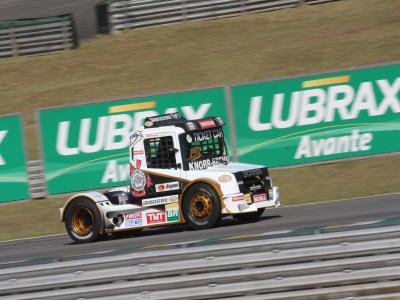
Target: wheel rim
column 82, row 221
column 201, row 205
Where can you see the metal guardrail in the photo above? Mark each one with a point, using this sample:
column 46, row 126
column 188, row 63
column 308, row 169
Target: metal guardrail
column 37, row 36
column 128, row 14
column 341, row 264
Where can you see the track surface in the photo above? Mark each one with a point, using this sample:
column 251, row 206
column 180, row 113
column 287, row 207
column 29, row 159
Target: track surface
column 332, row 213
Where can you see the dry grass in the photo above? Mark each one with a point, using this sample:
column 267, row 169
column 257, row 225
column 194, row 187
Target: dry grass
column 348, row 179
column 206, row 53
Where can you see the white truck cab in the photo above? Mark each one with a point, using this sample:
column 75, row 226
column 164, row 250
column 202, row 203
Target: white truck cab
column 180, row 172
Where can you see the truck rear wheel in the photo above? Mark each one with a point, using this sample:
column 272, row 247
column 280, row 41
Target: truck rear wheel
column 82, row 220
column 201, row 206
column 250, row 217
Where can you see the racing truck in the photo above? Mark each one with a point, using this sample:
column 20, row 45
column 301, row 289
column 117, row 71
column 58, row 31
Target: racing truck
column 180, row 172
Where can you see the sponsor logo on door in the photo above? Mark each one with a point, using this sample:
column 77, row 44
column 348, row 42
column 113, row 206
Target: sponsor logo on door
column 134, row 219
column 155, row 217
column 170, row 186
column 172, row 211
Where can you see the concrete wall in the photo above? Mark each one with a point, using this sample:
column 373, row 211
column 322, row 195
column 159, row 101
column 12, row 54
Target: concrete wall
column 84, row 12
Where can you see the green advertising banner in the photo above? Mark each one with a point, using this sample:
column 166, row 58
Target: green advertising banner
column 13, row 174
column 316, row 118
column 86, row 146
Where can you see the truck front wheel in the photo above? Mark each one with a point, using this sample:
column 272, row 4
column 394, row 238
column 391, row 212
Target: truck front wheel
column 82, row 221
column 201, row 206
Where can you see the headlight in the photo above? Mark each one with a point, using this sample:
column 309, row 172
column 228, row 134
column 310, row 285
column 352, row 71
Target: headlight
column 224, row 178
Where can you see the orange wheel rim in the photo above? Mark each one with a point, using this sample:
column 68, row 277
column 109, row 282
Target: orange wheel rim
column 200, row 205
column 82, row 221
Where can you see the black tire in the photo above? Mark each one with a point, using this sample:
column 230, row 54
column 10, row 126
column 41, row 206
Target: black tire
column 250, row 217
column 83, row 221
column 201, row 206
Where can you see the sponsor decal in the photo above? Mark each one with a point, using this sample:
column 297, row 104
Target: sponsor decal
column 238, row 198
column 209, row 162
column 208, row 134
column 159, row 200
column 190, row 126
column 204, row 124
column 247, row 198
column 260, row 197
column 138, row 152
column 139, row 180
column 170, row 186
column 155, row 217
column 220, row 121
column 173, row 116
column 172, row 212
column 134, row 219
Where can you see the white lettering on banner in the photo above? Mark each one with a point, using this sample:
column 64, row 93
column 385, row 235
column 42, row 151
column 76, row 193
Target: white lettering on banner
column 62, row 140
column 2, row 136
column 115, row 172
column 112, row 132
column 314, row 106
column 334, row 145
column 84, row 137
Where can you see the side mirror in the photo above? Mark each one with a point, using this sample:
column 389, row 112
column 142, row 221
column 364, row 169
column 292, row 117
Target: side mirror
column 173, row 150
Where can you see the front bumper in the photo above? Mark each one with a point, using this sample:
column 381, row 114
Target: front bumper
column 244, row 203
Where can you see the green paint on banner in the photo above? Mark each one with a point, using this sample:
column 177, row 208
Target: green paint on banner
column 320, row 117
column 13, row 172
column 86, row 146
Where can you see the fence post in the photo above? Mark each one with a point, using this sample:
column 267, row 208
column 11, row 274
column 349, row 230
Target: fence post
column 14, row 44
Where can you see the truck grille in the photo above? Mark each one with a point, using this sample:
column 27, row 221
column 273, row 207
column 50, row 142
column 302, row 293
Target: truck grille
column 253, row 181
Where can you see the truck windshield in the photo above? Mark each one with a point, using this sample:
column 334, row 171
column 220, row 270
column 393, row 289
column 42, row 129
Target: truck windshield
column 206, row 148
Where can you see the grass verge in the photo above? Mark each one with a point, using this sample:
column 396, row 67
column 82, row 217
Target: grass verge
column 308, row 38
column 297, row 186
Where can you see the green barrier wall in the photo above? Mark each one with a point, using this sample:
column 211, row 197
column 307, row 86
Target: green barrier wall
column 86, row 146
column 317, row 118
column 13, row 174
column 277, row 123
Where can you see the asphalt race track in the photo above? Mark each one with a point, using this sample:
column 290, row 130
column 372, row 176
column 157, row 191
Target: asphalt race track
column 303, row 219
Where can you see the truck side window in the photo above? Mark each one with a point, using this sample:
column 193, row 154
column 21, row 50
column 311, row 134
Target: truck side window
column 160, row 152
